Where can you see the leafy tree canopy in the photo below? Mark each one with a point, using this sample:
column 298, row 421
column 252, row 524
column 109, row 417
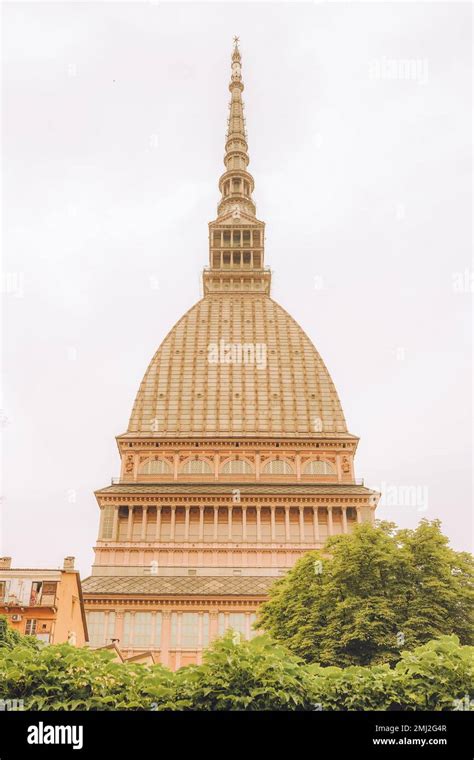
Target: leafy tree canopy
column 10, row 638
column 236, row 675
column 371, row 594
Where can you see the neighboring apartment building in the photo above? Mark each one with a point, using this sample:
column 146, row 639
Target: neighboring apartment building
column 44, row 603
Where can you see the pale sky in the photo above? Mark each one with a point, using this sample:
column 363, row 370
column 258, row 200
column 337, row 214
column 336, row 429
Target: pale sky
column 359, row 127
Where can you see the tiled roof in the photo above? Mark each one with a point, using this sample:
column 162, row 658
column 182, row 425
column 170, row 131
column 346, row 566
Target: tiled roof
column 286, row 392
column 303, row 489
column 178, row 585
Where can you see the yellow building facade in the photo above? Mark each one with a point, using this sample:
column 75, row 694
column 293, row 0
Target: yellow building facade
column 236, row 460
column 44, row 603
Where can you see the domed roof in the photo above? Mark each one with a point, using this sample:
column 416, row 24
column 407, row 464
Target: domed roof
column 236, row 365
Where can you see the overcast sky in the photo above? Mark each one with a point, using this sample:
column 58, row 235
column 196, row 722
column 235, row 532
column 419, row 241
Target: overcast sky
column 114, row 117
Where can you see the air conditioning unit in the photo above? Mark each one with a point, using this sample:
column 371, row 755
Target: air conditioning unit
column 17, row 618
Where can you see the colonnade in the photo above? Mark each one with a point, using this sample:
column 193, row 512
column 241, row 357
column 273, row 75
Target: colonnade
column 308, row 530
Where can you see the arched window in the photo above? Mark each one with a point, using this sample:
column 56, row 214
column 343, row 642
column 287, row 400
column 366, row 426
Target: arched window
column 236, row 467
column 155, row 467
column 318, row 468
column 277, row 467
column 197, row 467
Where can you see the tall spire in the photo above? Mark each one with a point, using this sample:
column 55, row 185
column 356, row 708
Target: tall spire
column 236, row 237
column 236, row 182
column 236, row 122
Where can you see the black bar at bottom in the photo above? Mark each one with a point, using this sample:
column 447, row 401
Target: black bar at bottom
column 126, row 734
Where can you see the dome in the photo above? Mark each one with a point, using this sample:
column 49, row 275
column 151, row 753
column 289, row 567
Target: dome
column 236, row 365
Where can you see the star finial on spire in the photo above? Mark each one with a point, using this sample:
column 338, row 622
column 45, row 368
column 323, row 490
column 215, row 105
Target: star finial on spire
column 236, row 50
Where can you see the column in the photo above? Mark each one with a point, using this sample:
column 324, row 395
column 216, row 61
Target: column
column 302, row 535
column 186, row 523
column 201, row 523
column 130, row 524
column 259, row 524
column 132, row 631
column 315, row 525
column 158, row 523
column 101, row 521
column 247, row 626
column 298, row 466
column 115, row 524
column 144, row 522
column 244, row 523
column 359, row 515
column 330, row 525
column 175, row 466
column 257, row 462
column 199, row 656
column 344, row 519
column 216, row 521
column 213, row 626
column 229, row 522
column 165, row 637
column 106, row 628
column 119, row 627
column 272, row 518
column 287, row 524
column 173, row 522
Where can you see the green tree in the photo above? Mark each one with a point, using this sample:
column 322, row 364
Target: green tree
column 243, row 675
column 236, row 675
column 9, row 638
column 439, row 597
column 436, row 676
column 63, row 677
column 370, row 594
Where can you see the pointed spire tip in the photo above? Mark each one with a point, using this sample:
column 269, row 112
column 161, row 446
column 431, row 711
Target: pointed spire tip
column 236, row 51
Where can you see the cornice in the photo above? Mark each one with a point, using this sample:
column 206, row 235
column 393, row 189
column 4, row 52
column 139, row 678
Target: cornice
column 130, row 600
